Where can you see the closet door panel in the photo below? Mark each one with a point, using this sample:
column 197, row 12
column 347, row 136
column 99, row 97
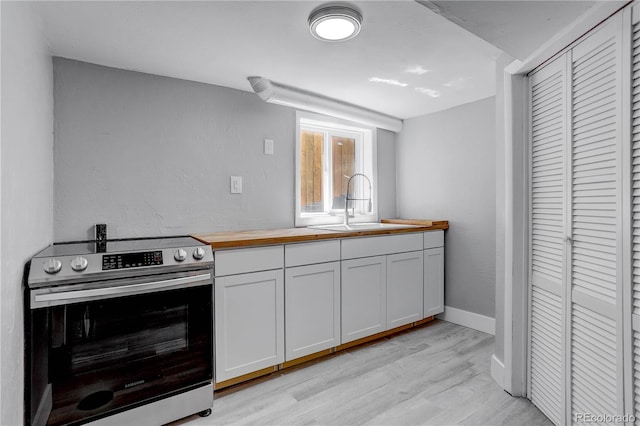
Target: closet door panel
column 548, row 217
column 595, row 203
column 635, row 177
column 636, row 371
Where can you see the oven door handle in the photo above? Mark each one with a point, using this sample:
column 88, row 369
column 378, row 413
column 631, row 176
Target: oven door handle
column 40, row 300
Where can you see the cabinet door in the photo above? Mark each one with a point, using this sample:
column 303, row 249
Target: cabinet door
column 433, row 301
column 404, row 288
column 249, row 323
column 312, row 309
column 364, row 297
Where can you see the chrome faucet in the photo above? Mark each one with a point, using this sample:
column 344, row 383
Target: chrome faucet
column 347, row 199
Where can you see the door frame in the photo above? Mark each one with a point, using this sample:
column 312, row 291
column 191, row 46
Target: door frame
column 516, row 243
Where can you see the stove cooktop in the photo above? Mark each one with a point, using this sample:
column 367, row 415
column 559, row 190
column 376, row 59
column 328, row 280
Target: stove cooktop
column 117, row 246
column 76, row 262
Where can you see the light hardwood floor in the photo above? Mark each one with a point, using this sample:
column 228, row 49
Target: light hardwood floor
column 437, row 374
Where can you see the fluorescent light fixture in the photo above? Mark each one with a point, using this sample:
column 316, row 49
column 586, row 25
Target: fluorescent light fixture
column 387, row 81
column 417, row 69
column 428, row 92
column 335, row 23
column 293, row 97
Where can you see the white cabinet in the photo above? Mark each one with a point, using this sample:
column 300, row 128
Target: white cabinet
column 240, row 261
column 364, row 297
column 383, row 284
column 380, row 245
column 312, row 297
column 310, row 253
column 279, row 303
column 433, row 302
column 249, row 312
column 249, row 323
column 404, row 288
column 312, row 309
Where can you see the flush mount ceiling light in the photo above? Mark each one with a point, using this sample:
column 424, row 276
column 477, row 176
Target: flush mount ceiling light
column 335, row 23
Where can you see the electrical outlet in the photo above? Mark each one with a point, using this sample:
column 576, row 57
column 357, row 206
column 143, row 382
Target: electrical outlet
column 268, row 146
column 236, row 184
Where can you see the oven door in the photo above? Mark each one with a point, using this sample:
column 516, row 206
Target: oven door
column 115, row 345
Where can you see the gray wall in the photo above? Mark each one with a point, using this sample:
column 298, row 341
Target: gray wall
column 446, row 170
column 386, row 174
column 151, row 155
column 26, row 181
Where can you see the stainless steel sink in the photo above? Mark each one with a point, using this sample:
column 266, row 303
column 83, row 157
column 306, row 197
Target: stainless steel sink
column 366, row 226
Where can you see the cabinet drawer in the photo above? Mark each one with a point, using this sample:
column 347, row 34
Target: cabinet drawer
column 377, row 246
column 433, row 239
column 308, row 253
column 229, row 262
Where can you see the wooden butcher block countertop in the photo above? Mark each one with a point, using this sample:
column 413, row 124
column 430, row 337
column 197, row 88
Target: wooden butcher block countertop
column 233, row 239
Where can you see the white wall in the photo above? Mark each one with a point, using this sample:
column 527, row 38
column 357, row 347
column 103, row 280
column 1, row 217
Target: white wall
column 446, row 170
column 151, row 155
column 26, row 182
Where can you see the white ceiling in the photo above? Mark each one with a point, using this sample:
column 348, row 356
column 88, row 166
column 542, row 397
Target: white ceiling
column 516, row 27
column 440, row 64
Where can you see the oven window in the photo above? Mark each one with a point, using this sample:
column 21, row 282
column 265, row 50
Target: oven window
column 101, row 335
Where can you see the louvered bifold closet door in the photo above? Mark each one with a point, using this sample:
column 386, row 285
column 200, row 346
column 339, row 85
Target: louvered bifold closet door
column 548, row 144
column 595, row 191
column 635, row 140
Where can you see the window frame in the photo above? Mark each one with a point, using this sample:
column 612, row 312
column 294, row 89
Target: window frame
column 366, row 162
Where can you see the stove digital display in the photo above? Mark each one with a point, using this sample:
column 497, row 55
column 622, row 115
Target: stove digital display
column 131, row 260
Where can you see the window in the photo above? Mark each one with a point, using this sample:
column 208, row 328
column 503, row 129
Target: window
column 328, row 153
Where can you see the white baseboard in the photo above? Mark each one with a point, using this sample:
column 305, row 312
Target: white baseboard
column 469, row 319
column 497, row 371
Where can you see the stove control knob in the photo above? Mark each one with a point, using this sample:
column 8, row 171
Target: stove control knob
column 52, row 266
column 198, row 253
column 79, row 264
column 180, row 255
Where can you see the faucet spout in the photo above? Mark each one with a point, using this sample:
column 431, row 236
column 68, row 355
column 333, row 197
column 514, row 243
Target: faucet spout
column 347, row 198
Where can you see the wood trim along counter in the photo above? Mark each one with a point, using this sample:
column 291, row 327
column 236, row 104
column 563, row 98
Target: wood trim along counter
column 431, row 224
column 235, row 239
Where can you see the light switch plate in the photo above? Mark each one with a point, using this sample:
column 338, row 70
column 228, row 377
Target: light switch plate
column 268, row 146
column 236, row 184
